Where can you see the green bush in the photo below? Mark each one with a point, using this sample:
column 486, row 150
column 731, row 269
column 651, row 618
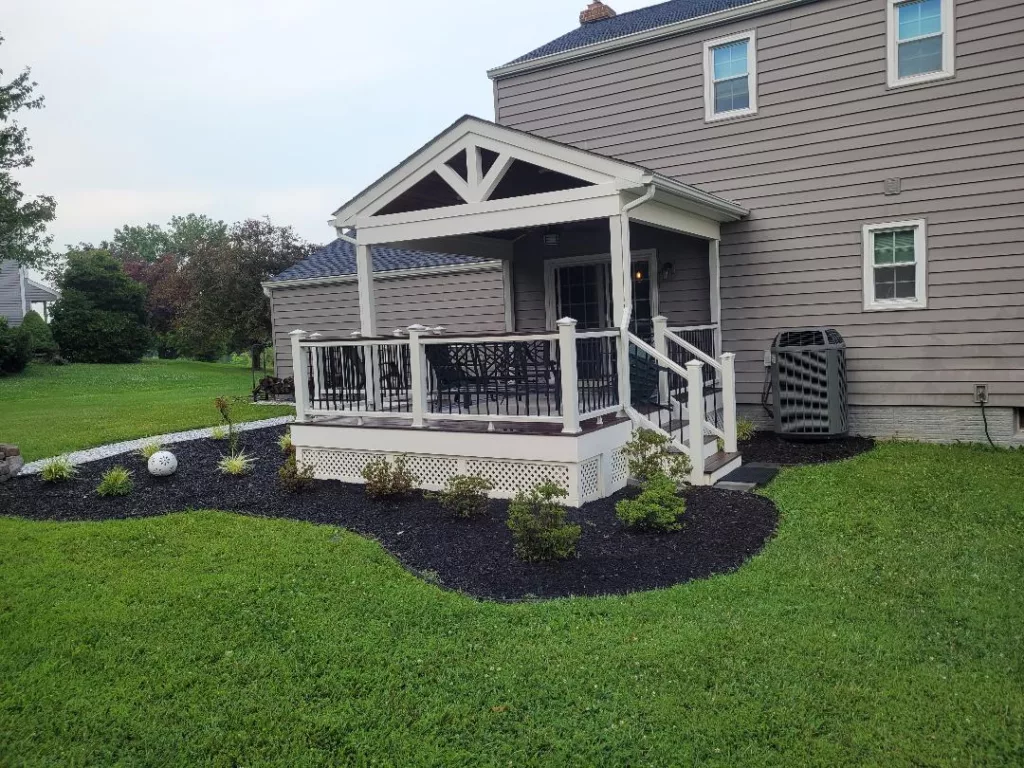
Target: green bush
column 116, row 482
column 537, row 522
column 101, row 314
column 658, row 508
column 386, row 480
column 15, row 348
column 43, row 344
column 650, row 453
column 292, row 477
column 466, row 495
column 58, row 470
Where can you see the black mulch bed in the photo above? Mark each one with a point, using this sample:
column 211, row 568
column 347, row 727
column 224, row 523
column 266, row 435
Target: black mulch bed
column 769, row 448
column 723, row 528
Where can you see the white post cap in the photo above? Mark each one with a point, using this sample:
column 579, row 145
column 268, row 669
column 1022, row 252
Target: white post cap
column 566, row 321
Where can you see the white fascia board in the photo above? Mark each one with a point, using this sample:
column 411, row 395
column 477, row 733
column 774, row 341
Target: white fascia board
column 391, row 274
column 648, row 35
column 697, row 200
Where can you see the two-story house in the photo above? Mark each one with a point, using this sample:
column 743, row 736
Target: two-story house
column 684, row 182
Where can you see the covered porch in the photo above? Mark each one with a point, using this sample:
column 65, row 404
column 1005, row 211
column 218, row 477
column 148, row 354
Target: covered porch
column 611, row 323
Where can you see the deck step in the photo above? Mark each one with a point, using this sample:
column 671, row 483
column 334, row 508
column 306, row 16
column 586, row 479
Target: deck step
column 720, row 464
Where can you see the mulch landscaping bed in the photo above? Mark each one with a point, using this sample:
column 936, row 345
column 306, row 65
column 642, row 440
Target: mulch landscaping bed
column 723, row 529
column 769, row 448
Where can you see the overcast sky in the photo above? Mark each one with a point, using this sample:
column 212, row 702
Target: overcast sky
column 239, row 108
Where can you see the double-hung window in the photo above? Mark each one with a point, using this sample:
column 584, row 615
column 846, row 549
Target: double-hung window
column 730, row 76
column 895, row 265
column 920, row 41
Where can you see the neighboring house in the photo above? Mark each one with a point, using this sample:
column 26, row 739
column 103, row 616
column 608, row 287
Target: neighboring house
column 748, row 165
column 19, row 292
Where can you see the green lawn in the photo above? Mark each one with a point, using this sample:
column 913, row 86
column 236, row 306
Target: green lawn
column 54, row 409
column 883, row 626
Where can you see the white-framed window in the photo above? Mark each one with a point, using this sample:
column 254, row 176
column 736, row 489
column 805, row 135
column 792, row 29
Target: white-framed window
column 730, row 76
column 896, row 265
column 920, row 41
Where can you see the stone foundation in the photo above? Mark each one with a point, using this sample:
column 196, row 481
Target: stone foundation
column 927, row 424
column 10, row 461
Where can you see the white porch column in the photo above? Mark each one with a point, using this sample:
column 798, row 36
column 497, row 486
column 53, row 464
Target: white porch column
column 367, row 302
column 622, row 298
column 298, row 375
column 695, row 407
column 570, row 396
column 418, row 372
column 715, row 270
column 729, row 400
column 660, row 324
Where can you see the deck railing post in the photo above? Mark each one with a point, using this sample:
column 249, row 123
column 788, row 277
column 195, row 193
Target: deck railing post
column 570, row 393
column 695, row 407
column 299, row 375
column 729, row 401
column 418, row 373
column 660, row 325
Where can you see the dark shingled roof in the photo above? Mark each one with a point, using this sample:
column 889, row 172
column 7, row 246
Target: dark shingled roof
column 339, row 258
column 630, row 23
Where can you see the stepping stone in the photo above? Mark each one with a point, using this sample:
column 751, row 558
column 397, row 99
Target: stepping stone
column 748, row 477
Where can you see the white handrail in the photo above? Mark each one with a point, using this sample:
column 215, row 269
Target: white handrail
column 488, row 339
column 678, row 328
column 697, row 353
column 666, row 361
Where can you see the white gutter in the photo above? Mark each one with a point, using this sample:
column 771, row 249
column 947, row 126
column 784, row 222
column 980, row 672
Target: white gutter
column 648, row 35
column 24, row 295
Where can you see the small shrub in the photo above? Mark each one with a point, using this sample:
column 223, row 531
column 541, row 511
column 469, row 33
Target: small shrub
column 649, row 454
column 58, row 470
column 15, row 348
column 537, row 522
column 466, row 495
column 658, row 508
column 386, row 480
column 225, row 407
column 284, row 442
column 40, row 334
column 116, row 482
column 236, row 464
column 219, row 433
column 147, row 450
column 745, row 430
column 292, row 477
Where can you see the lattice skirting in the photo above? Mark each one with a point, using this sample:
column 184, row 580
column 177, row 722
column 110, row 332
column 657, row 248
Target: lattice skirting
column 587, row 481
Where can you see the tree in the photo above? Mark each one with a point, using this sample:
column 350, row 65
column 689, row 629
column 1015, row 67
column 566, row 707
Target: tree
column 15, row 348
column 42, row 338
column 23, row 221
column 101, row 314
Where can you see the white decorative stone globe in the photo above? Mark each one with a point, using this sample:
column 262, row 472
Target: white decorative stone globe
column 162, row 464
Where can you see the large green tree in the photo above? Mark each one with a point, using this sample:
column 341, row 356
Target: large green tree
column 101, row 314
column 23, row 220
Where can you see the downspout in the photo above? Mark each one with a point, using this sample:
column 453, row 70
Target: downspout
column 627, row 312
column 21, row 283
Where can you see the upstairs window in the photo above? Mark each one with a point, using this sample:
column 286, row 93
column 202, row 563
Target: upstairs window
column 920, row 41
column 730, row 77
column 895, row 262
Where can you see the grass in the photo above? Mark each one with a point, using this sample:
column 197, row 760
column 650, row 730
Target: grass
column 883, row 626
column 50, row 410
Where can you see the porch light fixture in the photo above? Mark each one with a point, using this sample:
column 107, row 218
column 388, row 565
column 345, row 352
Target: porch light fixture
column 667, row 271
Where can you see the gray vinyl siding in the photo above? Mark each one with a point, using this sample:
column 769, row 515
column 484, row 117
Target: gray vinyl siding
column 811, row 165
column 462, row 302
column 10, row 293
column 684, row 299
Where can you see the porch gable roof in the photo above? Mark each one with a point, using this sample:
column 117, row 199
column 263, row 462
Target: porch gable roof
column 469, row 136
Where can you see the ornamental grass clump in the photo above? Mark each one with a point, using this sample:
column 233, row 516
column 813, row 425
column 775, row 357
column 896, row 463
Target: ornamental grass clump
column 537, row 522
column 116, row 481
column 657, row 508
column 385, row 480
column 236, row 464
column 58, row 470
column 465, row 495
column 218, row 433
column 147, row 450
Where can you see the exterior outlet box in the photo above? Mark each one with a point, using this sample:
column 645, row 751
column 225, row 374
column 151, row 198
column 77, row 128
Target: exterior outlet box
column 981, row 393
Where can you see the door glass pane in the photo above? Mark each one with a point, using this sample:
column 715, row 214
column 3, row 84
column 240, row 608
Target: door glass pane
column 920, row 57
column 640, row 322
column 579, row 295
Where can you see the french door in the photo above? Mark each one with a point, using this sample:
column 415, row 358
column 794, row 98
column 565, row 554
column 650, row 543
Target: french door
column 583, row 291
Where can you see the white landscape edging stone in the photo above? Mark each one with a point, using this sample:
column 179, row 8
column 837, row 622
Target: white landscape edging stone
column 128, row 446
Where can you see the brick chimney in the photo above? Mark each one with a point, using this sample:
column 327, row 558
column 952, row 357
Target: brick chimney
column 596, row 11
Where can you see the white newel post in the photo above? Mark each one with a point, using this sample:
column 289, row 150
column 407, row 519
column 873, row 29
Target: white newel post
column 418, row 372
column 695, row 406
column 570, row 398
column 729, row 400
column 660, row 324
column 298, row 375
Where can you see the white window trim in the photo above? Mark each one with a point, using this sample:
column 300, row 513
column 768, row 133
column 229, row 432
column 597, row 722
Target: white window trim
column 710, row 116
column 948, row 47
column 550, row 265
column 871, row 304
